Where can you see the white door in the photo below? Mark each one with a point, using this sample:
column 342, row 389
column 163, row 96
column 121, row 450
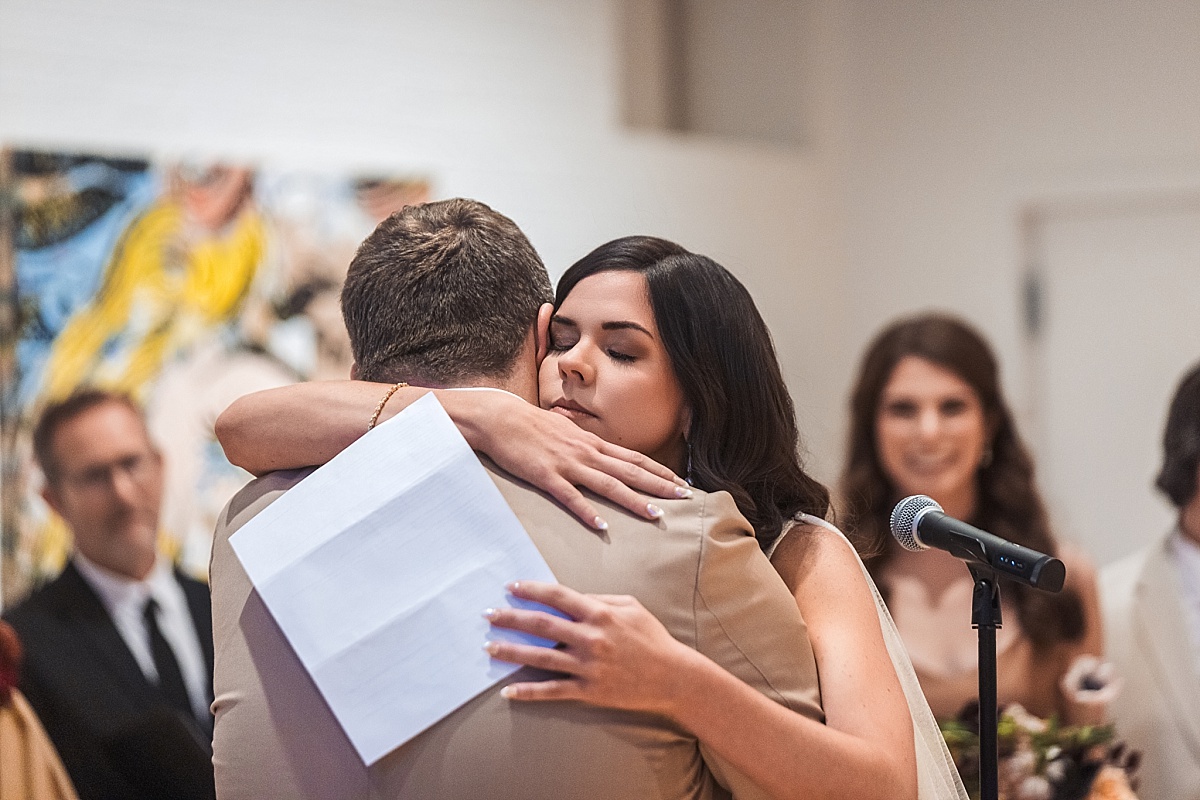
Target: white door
column 1120, row 323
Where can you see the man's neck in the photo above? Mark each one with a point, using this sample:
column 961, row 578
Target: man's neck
column 518, row 388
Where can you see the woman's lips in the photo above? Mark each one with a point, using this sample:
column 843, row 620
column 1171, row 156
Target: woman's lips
column 931, row 465
column 571, row 410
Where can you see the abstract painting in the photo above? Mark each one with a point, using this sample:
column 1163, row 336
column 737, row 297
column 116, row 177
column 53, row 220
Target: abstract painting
column 182, row 283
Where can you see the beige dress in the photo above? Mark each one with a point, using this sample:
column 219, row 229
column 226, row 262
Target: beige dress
column 944, row 650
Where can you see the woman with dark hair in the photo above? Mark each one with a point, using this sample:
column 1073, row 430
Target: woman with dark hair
column 928, row 417
column 663, row 352
column 721, row 354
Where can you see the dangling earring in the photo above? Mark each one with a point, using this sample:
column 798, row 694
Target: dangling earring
column 985, row 460
column 688, row 477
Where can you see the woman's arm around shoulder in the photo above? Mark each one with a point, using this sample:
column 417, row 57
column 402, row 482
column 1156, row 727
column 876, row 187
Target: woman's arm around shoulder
column 308, row 424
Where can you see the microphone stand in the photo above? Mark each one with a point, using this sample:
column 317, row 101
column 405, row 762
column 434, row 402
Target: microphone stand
column 985, row 618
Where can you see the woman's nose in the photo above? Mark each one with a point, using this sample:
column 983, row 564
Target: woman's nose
column 574, row 365
column 929, row 423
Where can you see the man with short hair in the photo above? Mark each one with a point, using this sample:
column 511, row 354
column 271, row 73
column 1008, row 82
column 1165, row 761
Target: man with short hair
column 1151, row 603
column 451, row 294
column 118, row 647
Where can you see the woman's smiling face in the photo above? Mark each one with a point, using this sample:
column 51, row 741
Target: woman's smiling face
column 608, row 371
column 930, row 432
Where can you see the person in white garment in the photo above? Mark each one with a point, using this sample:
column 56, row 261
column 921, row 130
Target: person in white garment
column 1151, row 606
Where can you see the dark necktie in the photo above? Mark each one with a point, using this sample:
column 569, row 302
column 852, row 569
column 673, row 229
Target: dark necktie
column 170, row 679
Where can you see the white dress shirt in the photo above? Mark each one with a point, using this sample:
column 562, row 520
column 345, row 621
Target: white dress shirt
column 125, row 601
column 1186, row 553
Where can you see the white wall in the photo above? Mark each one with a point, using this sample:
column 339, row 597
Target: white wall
column 959, row 115
column 513, row 102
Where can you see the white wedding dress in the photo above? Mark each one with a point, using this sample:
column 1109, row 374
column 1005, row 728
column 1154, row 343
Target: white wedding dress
column 937, row 777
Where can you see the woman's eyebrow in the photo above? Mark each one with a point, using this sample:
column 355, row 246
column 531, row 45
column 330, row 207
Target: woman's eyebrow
column 625, row 325
column 618, row 325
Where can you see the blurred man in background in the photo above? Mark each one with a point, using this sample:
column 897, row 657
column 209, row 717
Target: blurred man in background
column 118, row 648
column 1152, row 621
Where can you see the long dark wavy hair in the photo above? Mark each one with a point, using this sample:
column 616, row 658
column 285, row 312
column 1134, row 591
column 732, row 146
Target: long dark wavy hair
column 1009, row 504
column 743, row 437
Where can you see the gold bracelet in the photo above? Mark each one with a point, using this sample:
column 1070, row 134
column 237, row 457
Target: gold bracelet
column 388, row 396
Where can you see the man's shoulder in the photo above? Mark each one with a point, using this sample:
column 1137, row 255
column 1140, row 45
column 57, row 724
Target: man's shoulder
column 48, row 597
column 257, row 495
column 703, row 514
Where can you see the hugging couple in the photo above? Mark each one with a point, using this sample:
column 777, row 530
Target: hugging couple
column 723, row 638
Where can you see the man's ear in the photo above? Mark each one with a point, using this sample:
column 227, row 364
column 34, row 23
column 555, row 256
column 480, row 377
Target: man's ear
column 51, row 498
column 542, row 331
column 354, row 371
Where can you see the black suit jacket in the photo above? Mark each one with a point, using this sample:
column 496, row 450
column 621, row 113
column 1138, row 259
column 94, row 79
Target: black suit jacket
column 117, row 735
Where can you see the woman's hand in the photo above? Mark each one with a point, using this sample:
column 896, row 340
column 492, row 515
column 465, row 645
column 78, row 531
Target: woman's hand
column 615, row 652
column 558, row 457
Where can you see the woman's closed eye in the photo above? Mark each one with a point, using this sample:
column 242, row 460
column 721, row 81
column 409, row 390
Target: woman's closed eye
column 562, row 340
column 617, row 355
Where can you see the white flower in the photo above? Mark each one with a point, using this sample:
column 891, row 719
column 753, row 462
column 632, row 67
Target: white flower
column 1020, row 765
column 1091, row 681
column 1024, row 719
column 1035, row 788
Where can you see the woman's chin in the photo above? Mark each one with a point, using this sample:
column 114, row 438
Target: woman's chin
column 940, row 488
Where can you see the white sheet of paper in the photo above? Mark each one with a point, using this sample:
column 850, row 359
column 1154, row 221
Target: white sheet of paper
column 378, row 567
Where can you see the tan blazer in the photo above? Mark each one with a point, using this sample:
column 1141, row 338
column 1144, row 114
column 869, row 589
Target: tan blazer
column 1147, row 636
column 698, row 570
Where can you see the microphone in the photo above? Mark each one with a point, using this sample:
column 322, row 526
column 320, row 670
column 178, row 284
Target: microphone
column 919, row 523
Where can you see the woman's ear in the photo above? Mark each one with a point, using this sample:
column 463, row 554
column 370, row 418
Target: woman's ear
column 542, row 331
column 354, row 371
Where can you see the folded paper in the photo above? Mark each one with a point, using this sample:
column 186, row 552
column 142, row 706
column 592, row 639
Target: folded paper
column 377, row 568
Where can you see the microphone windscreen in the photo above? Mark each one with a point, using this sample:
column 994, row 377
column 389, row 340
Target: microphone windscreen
column 904, row 520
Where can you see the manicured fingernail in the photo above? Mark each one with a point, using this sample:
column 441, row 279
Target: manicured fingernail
column 489, row 613
column 683, row 491
column 507, row 693
column 514, row 586
column 490, row 648
column 654, row 511
column 599, row 524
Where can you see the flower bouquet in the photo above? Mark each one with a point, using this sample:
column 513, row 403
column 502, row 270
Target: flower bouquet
column 1043, row 760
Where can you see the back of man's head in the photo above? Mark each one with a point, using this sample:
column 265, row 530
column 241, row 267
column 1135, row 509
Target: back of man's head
column 442, row 293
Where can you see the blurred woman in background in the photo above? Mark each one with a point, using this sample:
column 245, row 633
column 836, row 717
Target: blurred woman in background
column 928, row 417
